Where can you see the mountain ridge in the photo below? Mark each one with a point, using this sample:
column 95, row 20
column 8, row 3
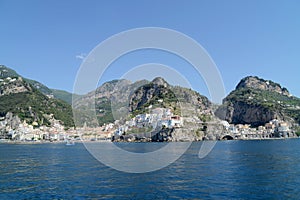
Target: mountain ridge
column 120, row 99
column 257, row 101
column 261, row 84
column 20, row 98
column 55, row 93
column 254, row 101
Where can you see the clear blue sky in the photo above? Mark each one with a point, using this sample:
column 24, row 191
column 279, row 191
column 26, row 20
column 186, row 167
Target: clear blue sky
column 41, row 40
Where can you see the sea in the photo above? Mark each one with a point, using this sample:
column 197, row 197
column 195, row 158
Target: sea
column 265, row 169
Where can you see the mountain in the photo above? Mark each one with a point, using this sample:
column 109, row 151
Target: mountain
column 57, row 94
column 158, row 93
column 257, row 101
column 122, row 99
column 254, row 101
column 7, row 72
column 19, row 97
column 111, row 101
column 257, row 83
column 122, row 102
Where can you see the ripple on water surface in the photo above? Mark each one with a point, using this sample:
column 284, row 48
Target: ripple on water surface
column 233, row 170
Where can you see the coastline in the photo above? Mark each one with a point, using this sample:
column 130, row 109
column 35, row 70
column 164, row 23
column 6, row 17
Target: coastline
column 101, row 141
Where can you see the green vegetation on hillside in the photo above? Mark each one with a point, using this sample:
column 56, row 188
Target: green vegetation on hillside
column 34, row 106
column 39, row 86
column 58, row 94
column 273, row 101
column 7, row 72
column 162, row 98
column 63, row 95
column 104, row 112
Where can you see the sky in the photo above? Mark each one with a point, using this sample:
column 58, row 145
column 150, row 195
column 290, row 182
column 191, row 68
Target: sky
column 48, row 40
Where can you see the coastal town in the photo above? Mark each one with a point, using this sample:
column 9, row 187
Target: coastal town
column 156, row 115
column 141, row 128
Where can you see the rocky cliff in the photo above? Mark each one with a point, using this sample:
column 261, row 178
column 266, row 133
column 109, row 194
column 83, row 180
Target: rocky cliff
column 256, row 101
column 257, row 83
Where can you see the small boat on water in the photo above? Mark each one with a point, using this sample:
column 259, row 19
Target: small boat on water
column 70, row 143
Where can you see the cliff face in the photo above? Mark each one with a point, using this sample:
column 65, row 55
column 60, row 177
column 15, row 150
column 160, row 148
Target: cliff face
column 239, row 112
column 256, row 101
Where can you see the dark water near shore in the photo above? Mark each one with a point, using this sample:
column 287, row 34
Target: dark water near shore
column 233, row 170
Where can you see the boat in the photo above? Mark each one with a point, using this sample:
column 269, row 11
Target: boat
column 70, row 143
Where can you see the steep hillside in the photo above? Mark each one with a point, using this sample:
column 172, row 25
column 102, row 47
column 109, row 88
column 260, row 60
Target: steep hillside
column 7, row 72
column 256, row 101
column 20, row 98
column 111, row 101
column 121, row 100
column 58, row 94
column 159, row 93
column 63, row 95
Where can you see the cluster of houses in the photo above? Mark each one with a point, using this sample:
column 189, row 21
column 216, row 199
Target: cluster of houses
column 17, row 87
column 157, row 119
column 32, row 132
column 7, row 80
column 102, row 133
column 55, row 133
column 274, row 129
column 24, row 132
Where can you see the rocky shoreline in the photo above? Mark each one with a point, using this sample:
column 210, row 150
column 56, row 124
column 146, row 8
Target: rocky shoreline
column 185, row 135
column 135, row 141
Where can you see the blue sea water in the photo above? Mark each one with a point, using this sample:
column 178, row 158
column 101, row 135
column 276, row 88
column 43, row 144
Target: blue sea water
column 233, row 170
